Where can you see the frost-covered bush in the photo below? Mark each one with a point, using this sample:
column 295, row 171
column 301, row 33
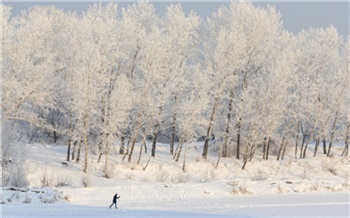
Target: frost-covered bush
column 86, row 180
column 13, row 157
column 180, row 178
column 259, row 176
column 27, row 200
column 46, row 180
column 63, row 181
column 109, row 173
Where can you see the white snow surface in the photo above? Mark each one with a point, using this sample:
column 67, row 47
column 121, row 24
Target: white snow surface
column 311, row 187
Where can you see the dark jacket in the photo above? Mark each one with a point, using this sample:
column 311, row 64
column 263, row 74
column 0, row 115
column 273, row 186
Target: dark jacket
column 115, row 198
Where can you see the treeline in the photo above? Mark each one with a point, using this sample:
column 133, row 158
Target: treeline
column 127, row 75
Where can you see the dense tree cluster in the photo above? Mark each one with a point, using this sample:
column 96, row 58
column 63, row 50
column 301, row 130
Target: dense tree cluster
column 128, row 75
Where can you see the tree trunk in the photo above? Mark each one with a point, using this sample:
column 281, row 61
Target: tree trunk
column 332, row 134
column 73, row 150
column 99, row 156
column 284, row 150
column 302, row 145
column 101, row 141
column 127, row 150
column 133, row 140
column 228, row 122
column 140, row 154
column 239, row 125
column 347, row 139
column 122, row 146
column 206, row 143
column 143, row 144
column 296, row 147
column 184, row 163
column 324, row 146
column 178, row 151
column 281, row 148
column 316, row 147
column 173, row 131
column 153, row 153
column 306, row 145
column 68, row 149
column 266, row 150
column 86, row 144
column 219, row 157
column 79, row 151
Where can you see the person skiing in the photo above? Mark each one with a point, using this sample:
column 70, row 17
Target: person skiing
column 115, row 200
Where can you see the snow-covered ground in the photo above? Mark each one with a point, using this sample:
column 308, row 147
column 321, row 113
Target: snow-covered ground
column 315, row 187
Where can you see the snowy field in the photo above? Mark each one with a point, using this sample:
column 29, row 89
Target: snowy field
column 312, row 187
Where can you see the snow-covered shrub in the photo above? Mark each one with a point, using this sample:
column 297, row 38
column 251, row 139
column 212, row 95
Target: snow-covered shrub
column 207, row 175
column 63, row 181
column 314, row 187
column 86, row 180
column 180, row 178
column 48, row 200
column 27, row 200
column 259, row 176
column 281, row 189
column 161, row 176
column 130, row 175
column 109, row 173
column 329, row 164
column 13, row 162
column 241, row 190
column 46, row 180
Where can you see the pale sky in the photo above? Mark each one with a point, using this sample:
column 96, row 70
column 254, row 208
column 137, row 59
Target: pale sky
column 296, row 15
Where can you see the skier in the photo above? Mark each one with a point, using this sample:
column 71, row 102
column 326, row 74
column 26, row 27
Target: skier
column 115, row 200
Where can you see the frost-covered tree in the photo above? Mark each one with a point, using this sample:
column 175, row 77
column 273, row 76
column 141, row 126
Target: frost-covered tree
column 243, row 38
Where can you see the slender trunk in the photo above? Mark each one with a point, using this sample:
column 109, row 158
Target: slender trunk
column 173, row 131
column 284, row 150
column 101, row 141
column 177, row 148
column 347, row 139
column 155, row 140
column 296, row 146
column 73, row 150
column 332, row 134
column 127, row 150
column 324, row 146
column 146, row 164
column 302, row 145
column 122, row 146
column 133, row 141
column 306, row 145
column 239, row 125
column 316, row 147
column 79, row 151
column 172, row 139
column 228, row 122
column 281, row 148
column 70, row 124
column 143, row 144
column 245, row 157
column 266, row 150
column 206, row 143
column 184, row 163
column 219, row 157
column 68, row 149
column 86, row 144
column 99, row 157
column 177, row 155
column 86, row 124
column 108, row 142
